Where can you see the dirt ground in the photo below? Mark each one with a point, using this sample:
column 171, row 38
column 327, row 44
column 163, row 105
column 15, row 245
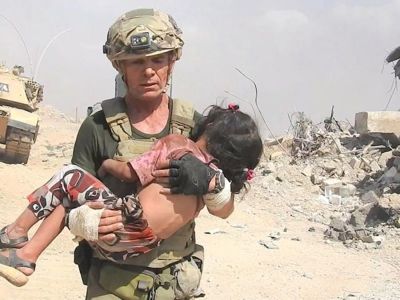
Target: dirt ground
column 302, row 266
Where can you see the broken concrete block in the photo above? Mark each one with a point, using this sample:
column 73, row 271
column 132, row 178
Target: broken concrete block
column 375, row 167
column 355, row 163
column 350, row 233
column 342, row 236
column 391, row 203
column 307, row 171
column 323, row 199
column 337, row 224
column 361, row 234
column 357, row 219
column 285, row 141
column 369, row 197
column 328, row 166
column 367, row 239
column 378, row 121
column 331, row 182
column 315, row 179
column 332, row 234
column 385, row 156
column 347, row 190
column 335, row 199
column 332, row 190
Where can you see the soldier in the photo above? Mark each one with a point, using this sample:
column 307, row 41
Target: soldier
column 143, row 46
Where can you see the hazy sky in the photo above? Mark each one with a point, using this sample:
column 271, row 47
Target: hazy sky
column 303, row 55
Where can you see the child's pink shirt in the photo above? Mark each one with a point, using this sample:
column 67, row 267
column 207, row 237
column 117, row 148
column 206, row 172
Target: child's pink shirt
column 172, row 146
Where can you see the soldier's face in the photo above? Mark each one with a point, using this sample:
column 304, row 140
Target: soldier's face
column 146, row 77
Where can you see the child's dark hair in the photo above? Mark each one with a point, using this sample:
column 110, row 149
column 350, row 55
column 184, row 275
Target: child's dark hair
column 234, row 140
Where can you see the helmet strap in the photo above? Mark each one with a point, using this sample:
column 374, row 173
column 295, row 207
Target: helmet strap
column 171, row 63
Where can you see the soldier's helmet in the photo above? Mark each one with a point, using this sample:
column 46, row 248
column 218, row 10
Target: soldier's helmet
column 142, row 32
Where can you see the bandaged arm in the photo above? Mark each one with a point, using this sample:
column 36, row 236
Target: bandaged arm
column 220, row 204
column 83, row 222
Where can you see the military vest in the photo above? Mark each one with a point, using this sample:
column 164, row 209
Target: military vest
column 182, row 243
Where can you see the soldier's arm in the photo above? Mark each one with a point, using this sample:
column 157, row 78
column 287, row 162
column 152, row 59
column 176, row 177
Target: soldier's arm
column 85, row 154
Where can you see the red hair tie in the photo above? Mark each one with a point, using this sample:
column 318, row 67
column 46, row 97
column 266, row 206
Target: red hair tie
column 233, row 106
column 250, row 174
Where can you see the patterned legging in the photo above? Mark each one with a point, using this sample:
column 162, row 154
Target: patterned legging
column 72, row 187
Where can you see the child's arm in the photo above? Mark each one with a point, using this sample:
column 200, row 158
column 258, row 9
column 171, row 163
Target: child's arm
column 119, row 169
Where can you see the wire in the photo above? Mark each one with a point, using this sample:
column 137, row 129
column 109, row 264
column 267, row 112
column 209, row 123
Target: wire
column 259, row 110
column 23, row 41
column 45, row 49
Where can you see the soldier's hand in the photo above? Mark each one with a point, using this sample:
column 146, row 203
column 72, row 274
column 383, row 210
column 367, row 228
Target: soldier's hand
column 110, row 221
column 188, row 176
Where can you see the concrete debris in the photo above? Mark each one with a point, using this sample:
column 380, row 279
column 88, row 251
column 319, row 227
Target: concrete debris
column 353, row 174
column 307, row 171
column 378, row 121
column 355, row 163
column 369, row 197
column 323, row 199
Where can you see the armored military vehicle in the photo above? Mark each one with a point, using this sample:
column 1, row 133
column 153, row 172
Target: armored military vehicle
column 19, row 124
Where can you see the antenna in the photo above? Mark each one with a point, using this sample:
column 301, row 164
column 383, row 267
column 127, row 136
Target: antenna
column 23, row 41
column 47, row 47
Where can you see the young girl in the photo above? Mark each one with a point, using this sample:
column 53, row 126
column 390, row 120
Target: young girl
column 226, row 139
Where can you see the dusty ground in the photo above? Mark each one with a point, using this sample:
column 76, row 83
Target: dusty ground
column 304, row 266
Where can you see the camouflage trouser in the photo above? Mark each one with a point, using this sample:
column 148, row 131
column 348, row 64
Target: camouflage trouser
column 180, row 280
column 145, row 287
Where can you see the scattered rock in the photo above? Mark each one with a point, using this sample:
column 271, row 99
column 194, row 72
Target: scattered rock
column 369, row 197
column 337, row 224
column 214, row 231
column 355, row 163
column 268, row 244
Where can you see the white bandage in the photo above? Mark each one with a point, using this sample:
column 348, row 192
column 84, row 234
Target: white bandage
column 217, row 201
column 84, row 222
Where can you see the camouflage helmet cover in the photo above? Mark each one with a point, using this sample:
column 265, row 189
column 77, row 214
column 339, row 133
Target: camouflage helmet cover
column 142, row 32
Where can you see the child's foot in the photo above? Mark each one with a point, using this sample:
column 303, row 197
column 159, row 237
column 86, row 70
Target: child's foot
column 12, row 238
column 14, row 268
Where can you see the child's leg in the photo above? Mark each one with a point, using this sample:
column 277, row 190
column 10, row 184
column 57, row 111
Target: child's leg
column 70, row 187
column 14, row 235
column 46, row 233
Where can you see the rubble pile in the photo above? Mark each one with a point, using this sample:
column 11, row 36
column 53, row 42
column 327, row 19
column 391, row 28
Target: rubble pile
column 354, row 171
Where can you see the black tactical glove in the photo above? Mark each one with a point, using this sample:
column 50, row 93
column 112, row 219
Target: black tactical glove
column 190, row 176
